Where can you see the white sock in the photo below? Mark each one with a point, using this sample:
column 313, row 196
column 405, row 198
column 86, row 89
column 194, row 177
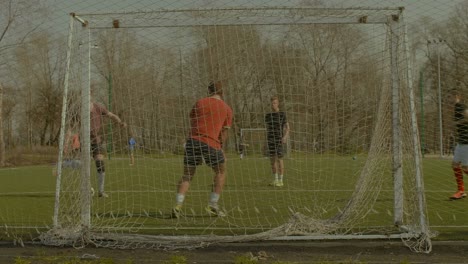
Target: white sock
column 281, row 177
column 275, row 176
column 180, row 198
column 214, row 198
column 101, row 177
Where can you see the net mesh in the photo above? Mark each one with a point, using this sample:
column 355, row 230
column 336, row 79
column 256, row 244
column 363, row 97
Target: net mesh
column 335, row 71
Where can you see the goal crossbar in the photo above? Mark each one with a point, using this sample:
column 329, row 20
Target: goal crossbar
column 242, row 16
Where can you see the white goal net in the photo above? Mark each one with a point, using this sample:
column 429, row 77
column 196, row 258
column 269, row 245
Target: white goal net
column 342, row 77
column 252, row 143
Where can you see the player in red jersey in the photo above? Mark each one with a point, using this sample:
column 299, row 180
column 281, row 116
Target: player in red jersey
column 210, row 120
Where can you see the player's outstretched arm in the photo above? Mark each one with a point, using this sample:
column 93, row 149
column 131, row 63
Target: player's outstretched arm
column 116, row 119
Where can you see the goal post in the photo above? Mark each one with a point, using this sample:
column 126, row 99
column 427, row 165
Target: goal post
column 342, row 76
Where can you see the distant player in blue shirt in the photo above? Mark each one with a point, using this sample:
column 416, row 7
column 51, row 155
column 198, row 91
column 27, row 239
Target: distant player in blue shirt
column 131, row 147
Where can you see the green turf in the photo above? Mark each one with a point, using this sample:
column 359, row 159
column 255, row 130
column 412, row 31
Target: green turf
column 142, row 196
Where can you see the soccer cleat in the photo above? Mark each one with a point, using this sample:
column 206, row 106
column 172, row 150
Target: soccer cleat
column 458, row 195
column 176, row 211
column 274, row 183
column 213, row 211
column 103, row 195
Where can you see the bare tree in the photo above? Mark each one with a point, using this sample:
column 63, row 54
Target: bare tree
column 12, row 14
column 12, row 34
column 40, row 64
column 455, row 35
column 143, row 82
column 326, row 62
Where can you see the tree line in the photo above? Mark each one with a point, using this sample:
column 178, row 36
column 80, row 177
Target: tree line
column 328, row 78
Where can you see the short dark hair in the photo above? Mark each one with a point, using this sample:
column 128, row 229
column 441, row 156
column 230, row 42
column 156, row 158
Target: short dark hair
column 273, row 98
column 215, row 88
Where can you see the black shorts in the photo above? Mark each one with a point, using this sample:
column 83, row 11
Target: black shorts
column 97, row 149
column 197, row 151
column 75, row 154
column 275, row 149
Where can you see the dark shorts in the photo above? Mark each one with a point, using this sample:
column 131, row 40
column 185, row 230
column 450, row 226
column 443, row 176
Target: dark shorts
column 97, row 149
column 75, row 153
column 196, row 152
column 275, row 149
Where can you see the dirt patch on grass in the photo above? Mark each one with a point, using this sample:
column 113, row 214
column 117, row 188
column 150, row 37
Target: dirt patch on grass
column 263, row 252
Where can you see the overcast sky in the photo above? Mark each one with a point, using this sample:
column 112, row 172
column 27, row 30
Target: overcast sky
column 438, row 9
column 414, row 9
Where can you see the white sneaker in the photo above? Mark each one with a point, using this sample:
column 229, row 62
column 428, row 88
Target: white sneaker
column 103, row 195
column 213, row 211
column 274, row 183
column 176, row 212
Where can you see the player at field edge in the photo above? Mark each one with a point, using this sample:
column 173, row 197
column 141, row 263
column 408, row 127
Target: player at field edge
column 98, row 112
column 277, row 129
column 460, row 155
column 242, row 146
column 71, row 150
column 210, row 121
column 131, row 149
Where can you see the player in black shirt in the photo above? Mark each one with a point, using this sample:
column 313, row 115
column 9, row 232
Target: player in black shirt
column 460, row 157
column 277, row 128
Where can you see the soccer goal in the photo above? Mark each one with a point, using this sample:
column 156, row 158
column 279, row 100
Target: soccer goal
column 343, row 78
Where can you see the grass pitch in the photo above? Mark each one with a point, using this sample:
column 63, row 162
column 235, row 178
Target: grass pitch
column 142, row 196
